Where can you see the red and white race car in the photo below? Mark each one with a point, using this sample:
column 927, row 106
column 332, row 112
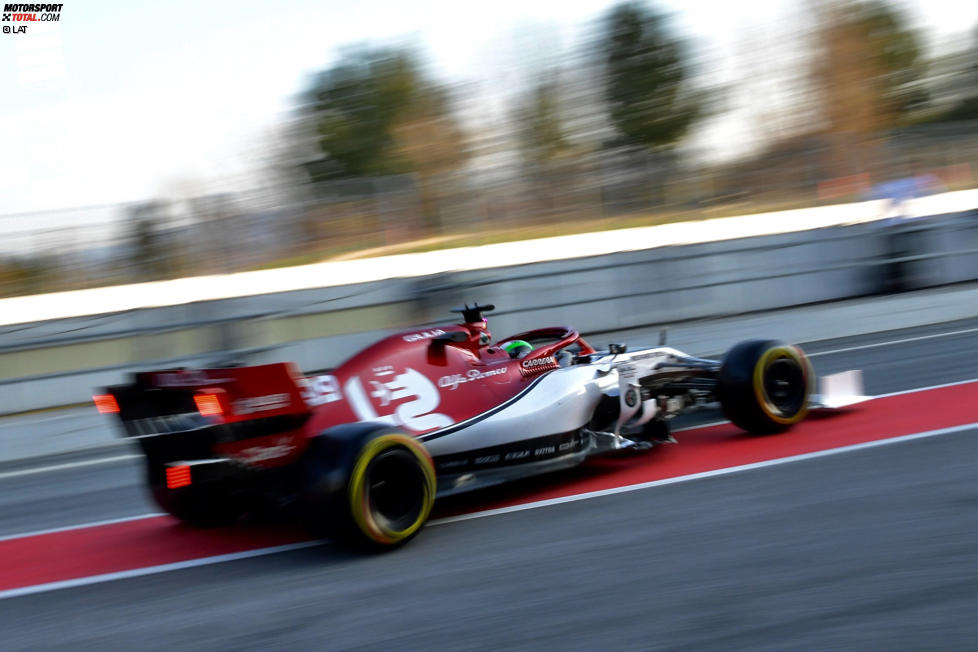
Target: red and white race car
column 364, row 450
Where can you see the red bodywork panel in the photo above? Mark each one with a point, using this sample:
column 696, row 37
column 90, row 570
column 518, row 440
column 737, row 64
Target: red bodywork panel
column 421, row 381
column 244, row 394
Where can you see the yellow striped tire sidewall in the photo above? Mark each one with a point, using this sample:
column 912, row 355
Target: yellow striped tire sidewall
column 764, row 402
column 360, row 498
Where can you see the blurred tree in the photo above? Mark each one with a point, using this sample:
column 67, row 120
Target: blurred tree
column 220, row 240
column 542, row 132
column 429, row 141
column 866, row 66
column 646, row 74
column 543, row 137
column 973, row 68
column 965, row 109
column 21, row 276
column 865, row 72
column 375, row 113
column 963, row 77
column 147, row 251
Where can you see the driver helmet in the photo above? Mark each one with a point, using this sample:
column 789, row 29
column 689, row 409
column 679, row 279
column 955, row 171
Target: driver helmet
column 517, row 348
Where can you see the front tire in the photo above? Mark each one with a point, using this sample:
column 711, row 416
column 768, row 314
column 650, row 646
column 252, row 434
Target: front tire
column 764, row 386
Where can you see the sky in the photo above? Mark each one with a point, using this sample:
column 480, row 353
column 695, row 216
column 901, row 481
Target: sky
column 123, row 101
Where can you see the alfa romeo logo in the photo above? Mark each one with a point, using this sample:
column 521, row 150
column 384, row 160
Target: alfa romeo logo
column 631, row 397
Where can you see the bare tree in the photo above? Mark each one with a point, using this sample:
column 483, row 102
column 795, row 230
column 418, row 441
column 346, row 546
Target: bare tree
column 864, row 66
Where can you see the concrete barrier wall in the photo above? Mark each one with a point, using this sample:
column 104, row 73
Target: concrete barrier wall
column 59, row 361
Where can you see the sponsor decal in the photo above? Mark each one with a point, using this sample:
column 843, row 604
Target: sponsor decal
column 538, row 362
column 423, row 335
column 319, row 390
column 188, row 378
column 261, row 403
column 255, row 454
column 533, row 450
column 538, row 365
column 631, row 397
column 452, row 381
column 648, row 356
column 164, row 424
column 417, row 414
column 454, row 463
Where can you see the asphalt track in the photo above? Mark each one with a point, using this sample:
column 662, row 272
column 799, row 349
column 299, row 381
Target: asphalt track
column 867, row 549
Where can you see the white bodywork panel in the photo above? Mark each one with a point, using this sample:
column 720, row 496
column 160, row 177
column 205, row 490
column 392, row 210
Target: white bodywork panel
column 563, row 400
column 840, row 390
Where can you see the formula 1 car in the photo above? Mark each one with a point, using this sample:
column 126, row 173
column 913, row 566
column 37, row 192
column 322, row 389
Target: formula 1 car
column 363, row 451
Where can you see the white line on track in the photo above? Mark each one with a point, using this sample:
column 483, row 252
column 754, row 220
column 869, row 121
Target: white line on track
column 907, row 340
column 153, row 570
column 924, row 389
column 119, row 458
column 151, row 515
column 260, row 552
column 66, row 466
column 68, row 528
column 706, row 474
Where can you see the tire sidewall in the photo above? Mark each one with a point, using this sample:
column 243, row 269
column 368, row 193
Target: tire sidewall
column 358, row 488
column 768, row 356
column 335, row 493
column 740, row 386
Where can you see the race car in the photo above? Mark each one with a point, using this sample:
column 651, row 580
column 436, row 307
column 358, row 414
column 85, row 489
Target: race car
column 363, row 451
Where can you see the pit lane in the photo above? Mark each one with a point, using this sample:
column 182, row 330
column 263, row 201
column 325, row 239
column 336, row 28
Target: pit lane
column 612, row 558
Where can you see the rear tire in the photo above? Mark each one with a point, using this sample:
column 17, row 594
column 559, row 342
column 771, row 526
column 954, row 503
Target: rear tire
column 764, row 386
column 369, row 485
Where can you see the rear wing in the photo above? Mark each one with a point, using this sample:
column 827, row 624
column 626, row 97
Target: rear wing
column 224, row 395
